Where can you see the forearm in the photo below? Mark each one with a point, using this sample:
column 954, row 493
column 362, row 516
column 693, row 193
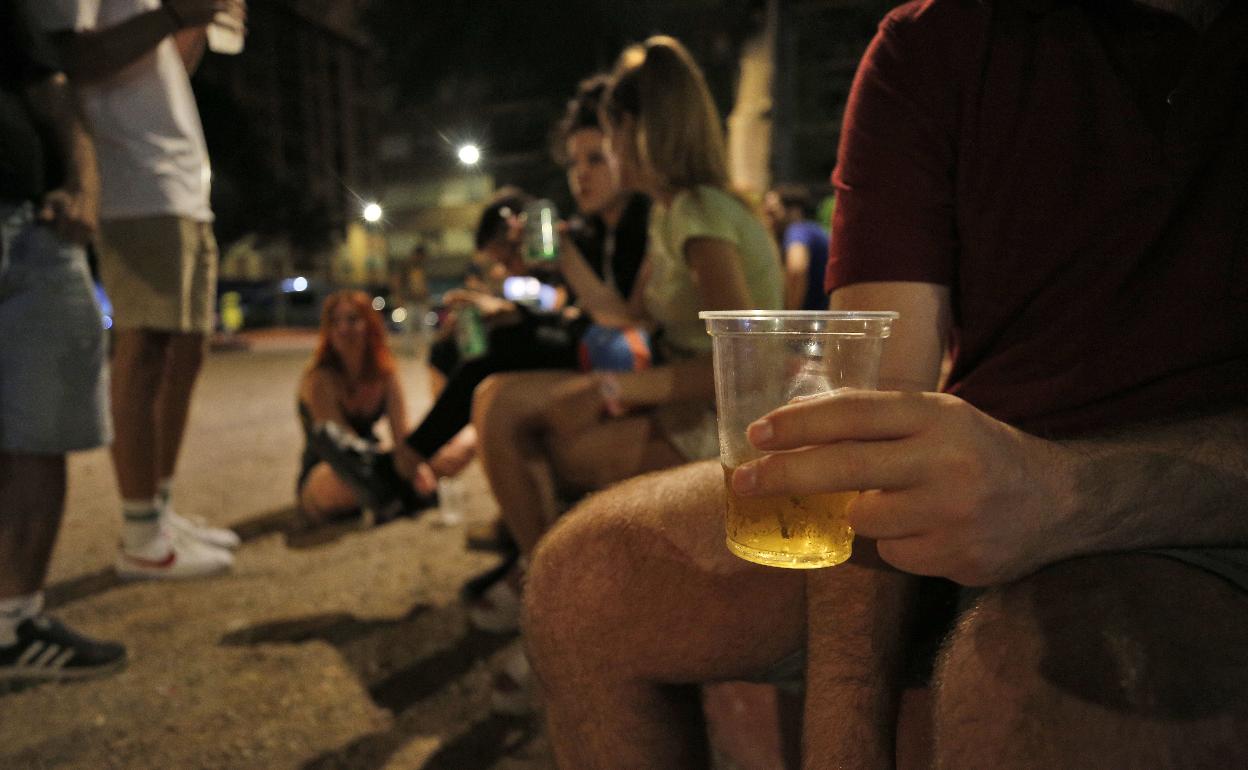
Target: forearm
column 55, row 105
column 593, row 296
column 191, row 45
column 99, row 54
column 1181, row 483
column 858, row 617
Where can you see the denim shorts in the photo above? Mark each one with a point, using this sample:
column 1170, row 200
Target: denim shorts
column 53, row 381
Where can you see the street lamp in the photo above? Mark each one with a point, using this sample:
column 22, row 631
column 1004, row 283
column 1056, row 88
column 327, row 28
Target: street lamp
column 372, row 213
column 469, row 154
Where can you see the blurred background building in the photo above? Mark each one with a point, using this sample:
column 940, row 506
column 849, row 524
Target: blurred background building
column 336, row 104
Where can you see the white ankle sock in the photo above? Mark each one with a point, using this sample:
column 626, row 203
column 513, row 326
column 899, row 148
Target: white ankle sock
column 13, row 611
column 140, row 525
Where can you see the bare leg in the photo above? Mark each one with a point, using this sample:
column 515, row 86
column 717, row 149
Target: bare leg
column 1116, row 661
column 510, row 412
column 323, row 493
column 183, row 359
column 138, row 365
column 632, row 599
column 507, row 411
column 32, row 498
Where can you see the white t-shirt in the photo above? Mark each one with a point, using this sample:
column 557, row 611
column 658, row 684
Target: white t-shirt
column 148, row 136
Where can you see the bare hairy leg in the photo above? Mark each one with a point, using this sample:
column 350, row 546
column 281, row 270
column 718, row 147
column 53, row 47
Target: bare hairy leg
column 138, row 364
column 1131, row 660
column 184, row 358
column 632, row 599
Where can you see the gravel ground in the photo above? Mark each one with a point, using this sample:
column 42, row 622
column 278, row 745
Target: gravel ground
column 343, row 647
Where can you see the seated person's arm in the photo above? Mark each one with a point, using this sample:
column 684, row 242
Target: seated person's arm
column 1179, row 482
column 958, row 494
column 406, row 460
column 321, row 393
column 494, row 309
column 720, row 281
column 603, row 303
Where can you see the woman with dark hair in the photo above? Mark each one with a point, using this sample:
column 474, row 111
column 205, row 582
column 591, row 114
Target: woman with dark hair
column 600, row 264
column 350, row 384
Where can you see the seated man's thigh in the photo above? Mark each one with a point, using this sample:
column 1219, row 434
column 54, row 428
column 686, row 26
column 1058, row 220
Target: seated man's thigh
column 638, row 578
column 1131, row 660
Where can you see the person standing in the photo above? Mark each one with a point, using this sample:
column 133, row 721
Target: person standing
column 158, row 257
column 52, row 376
column 790, row 213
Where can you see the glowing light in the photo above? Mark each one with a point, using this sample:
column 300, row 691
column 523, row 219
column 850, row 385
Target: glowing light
column 372, row 212
column 469, row 154
column 399, row 315
column 299, row 284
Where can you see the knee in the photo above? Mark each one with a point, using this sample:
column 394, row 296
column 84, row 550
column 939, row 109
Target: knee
column 490, row 405
column 571, row 595
column 1114, row 633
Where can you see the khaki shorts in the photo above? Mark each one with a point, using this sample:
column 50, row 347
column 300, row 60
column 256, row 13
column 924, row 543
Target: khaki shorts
column 160, row 273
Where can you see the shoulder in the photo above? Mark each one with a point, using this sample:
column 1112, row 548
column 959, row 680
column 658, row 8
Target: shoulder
column 707, row 203
column 934, row 18
column 320, row 381
column 942, row 35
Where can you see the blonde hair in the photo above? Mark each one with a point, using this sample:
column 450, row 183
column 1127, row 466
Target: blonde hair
column 680, row 138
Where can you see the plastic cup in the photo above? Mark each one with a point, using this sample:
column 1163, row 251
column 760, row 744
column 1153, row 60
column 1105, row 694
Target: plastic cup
column 765, row 359
column 226, row 34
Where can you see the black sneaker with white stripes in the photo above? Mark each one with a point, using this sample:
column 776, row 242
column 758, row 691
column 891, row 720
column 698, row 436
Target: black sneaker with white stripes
column 46, row 650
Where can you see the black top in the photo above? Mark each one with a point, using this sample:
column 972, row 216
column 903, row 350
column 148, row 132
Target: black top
column 620, row 252
column 26, row 58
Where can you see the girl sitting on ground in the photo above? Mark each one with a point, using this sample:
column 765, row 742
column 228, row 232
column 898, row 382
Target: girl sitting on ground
column 352, row 383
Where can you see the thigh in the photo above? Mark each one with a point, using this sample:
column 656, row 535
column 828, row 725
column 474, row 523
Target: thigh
column 642, row 571
column 611, row 451
column 324, row 492
column 1135, row 660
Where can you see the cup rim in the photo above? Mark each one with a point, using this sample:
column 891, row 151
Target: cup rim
column 801, row 315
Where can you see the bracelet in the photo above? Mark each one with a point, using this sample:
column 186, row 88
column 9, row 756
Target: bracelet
column 178, row 23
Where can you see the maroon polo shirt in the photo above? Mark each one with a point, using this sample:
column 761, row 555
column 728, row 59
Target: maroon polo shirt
column 1077, row 174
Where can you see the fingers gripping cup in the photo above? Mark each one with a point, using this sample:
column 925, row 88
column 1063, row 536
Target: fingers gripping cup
column 765, row 359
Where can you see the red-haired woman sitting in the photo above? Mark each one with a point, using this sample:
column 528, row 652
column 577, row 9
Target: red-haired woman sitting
column 350, row 384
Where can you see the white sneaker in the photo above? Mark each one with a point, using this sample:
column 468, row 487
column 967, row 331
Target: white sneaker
column 198, row 529
column 172, row 556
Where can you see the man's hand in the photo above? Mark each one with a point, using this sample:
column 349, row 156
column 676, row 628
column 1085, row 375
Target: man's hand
column 75, row 214
column 950, row 491
column 200, row 13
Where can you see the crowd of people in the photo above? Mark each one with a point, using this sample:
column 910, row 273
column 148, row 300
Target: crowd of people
column 1050, row 517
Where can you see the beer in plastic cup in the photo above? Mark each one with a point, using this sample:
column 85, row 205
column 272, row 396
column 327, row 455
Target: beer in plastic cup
column 765, row 359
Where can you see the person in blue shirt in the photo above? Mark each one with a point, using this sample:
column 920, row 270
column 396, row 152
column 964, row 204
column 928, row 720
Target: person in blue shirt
column 789, row 211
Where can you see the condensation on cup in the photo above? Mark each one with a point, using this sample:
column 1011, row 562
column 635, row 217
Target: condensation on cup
column 226, row 34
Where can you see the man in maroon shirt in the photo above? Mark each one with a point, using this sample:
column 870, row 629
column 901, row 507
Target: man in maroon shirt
column 1054, row 192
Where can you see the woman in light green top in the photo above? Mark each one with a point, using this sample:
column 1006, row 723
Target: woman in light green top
column 708, row 251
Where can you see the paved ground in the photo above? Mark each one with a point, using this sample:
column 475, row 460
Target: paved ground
column 339, row 648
